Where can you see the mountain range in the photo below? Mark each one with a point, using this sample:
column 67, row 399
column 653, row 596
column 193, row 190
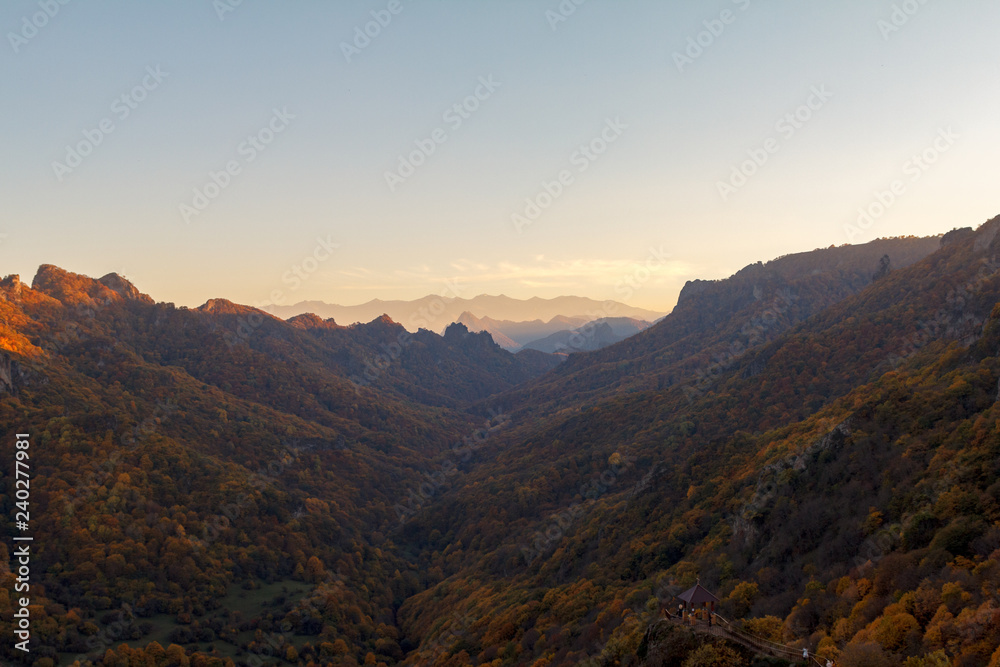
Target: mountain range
column 560, row 334
column 437, row 312
column 814, row 439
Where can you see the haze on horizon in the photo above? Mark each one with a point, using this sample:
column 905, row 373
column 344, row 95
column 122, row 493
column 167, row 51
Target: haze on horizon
column 344, row 171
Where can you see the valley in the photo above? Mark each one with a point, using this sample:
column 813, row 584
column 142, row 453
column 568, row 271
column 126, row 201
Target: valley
column 812, row 438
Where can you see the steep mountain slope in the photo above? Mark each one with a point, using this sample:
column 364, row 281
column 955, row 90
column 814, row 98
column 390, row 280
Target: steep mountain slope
column 715, row 323
column 178, row 455
column 841, row 474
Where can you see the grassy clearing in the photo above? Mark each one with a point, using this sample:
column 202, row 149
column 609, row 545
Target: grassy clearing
column 275, row 598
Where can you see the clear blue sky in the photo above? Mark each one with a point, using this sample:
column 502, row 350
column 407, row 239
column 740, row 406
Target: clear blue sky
column 324, row 174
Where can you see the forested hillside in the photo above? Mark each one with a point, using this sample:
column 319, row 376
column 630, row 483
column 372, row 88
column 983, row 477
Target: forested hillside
column 816, row 439
column 837, row 481
column 182, row 456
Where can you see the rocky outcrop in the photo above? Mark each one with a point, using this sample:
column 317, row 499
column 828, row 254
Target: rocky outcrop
column 73, row 289
column 123, row 288
column 10, row 288
column 10, row 374
column 312, row 321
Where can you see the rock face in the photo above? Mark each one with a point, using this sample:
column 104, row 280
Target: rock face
column 458, row 335
column 9, row 374
column 10, row 288
column 955, row 235
column 311, row 321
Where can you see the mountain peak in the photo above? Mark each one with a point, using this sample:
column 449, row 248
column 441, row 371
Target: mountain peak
column 312, row 321
column 381, row 323
column 225, row 307
column 11, row 284
column 11, row 288
column 456, row 330
column 458, row 333
column 123, row 288
column 73, row 288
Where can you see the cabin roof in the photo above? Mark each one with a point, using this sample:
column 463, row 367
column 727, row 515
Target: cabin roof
column 697, row 594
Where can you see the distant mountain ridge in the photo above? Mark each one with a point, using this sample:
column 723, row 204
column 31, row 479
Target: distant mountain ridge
column 590, row 336
column 558, row 335
column 437, row 312
column 490, row 326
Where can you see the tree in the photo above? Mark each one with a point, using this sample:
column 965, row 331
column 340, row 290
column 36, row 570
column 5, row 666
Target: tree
column 738, row 602
column 940, row 659
column 715, row 655
column 768, row 627
column 314, row 570
column 176, row 656
column 865, row 655
column 155, row 650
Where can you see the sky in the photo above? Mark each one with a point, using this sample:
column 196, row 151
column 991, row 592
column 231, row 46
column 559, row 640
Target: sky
column 275, row 152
